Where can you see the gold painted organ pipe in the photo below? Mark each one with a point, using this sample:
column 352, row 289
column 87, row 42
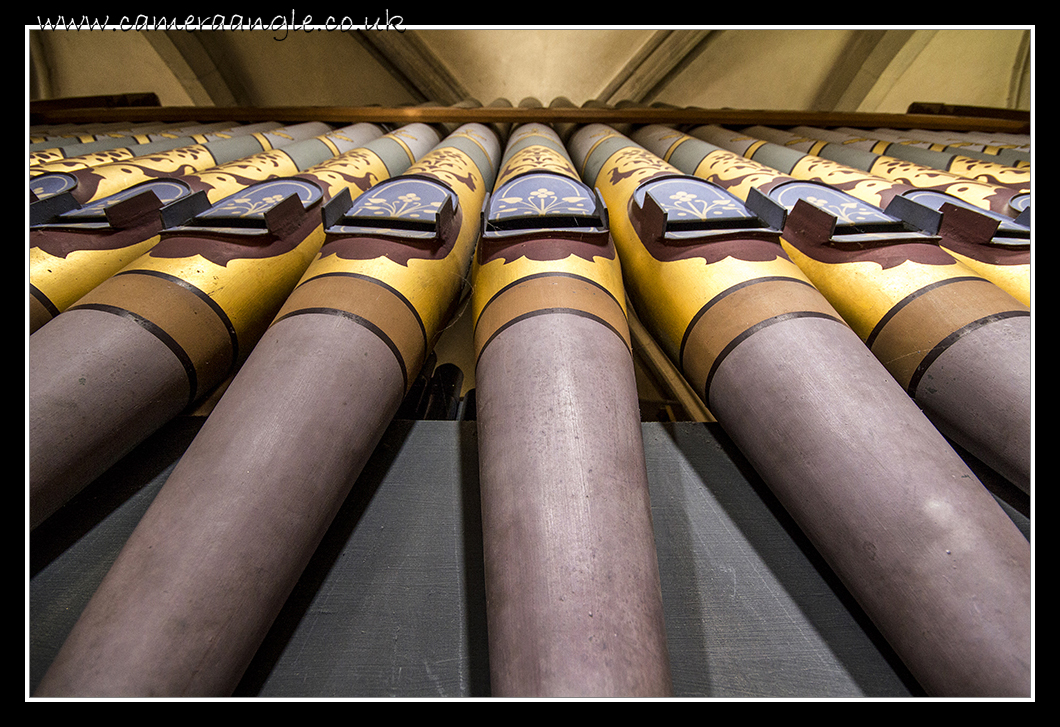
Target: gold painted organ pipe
column 1012, row 150
column 848, row 453
column 397, row 352
column 573, row 595
column 956, row 342
column 93, row 183
column 1002, row 200
column 1004, row 258
column 94, row 154
column 73, row 252
column 174, row 323
column 232, row 529
column 947, row 159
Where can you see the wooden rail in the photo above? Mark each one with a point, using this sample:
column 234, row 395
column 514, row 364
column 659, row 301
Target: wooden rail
column 507, row 114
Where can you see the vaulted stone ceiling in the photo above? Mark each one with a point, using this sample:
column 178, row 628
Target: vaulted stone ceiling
column 829, row 69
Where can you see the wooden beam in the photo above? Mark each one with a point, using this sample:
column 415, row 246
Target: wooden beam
column 557, row 114
column 981, row 111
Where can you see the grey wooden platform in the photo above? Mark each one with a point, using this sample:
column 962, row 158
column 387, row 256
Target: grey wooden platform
column 392, row 604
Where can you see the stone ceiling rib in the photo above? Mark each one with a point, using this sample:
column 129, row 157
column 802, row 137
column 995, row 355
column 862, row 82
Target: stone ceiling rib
column 408, row 59
column 193, row 67
column 866, row 70
column 39, row 67
column 1019, row 87
column 664, row 54
column 882, row 67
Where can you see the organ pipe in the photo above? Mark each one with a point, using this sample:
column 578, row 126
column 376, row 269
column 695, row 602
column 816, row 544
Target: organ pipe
column 949, row 159
column 574, row 602
column 172, row 325
column 1003, row 258
column 959, row 344
column 114, row 148
column 333, row 341
column 231, row 530
column 76, row 250
column 93, row 183
column 852, row 458
column 1003, row 200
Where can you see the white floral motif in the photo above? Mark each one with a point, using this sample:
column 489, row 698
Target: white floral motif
column 245, row 206
column 688, row 203
column 851, row 211
column 406, row 205
column 542, row 201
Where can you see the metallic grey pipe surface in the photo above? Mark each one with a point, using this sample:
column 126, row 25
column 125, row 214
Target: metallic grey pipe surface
column 204, row 302
column 917, row 539
column 919, row 542
column 573, row 593
column 572, row 579
column 99, row 384
column 203, row 576
column 986, row 426
column 200, row 581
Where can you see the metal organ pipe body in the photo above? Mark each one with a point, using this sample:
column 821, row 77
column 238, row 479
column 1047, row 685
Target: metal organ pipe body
column 921, row 544
column 64, row 261
column 51, row 147
column 237, row 520
column 70, row 134
column 171, row 326
column 947, row 160
column 73, row 252
column 957, row 343
column 574, row 601
column 1012, row 150
column 94, row 154
column 1004, row 260
column 1003, row 200
column 92, row 183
